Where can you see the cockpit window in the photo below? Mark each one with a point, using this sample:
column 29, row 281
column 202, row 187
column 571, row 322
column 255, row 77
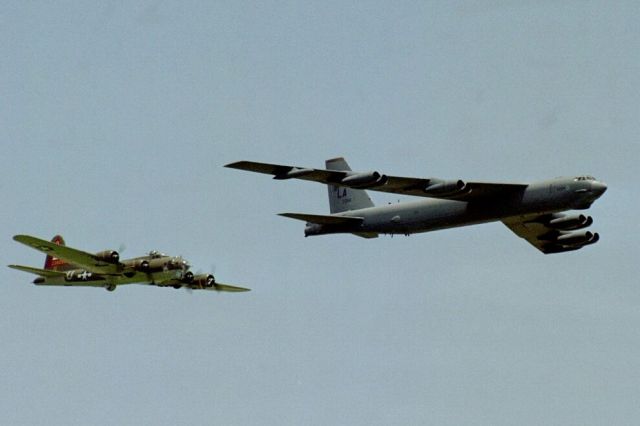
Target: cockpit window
column 581, row 178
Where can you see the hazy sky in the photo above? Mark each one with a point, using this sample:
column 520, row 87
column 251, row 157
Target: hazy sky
column 116, row 119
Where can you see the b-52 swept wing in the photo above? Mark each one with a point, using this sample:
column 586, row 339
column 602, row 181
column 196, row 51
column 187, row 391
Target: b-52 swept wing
column 456, row 189
column 66, row 266
column 533, row 211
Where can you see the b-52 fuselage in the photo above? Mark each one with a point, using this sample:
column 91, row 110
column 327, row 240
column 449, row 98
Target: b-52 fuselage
column 65, row 266
column 532, row 211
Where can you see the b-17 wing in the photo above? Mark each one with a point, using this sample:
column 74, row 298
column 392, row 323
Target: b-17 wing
column 41, row 272
column 553, row 233
column 208, row 283
column 228, row 288
column 458, row 190
column 106, row 263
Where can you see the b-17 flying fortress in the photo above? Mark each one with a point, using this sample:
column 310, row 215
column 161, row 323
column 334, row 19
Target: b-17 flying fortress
column 65, row 266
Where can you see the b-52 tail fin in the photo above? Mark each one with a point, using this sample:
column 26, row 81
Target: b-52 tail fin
column 342, row 199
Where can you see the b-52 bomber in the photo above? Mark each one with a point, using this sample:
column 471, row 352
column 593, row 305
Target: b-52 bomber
column 532, row 211
column 65, row 266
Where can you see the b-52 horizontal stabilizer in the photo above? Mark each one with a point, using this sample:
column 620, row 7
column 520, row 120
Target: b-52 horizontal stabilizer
column 324, row 219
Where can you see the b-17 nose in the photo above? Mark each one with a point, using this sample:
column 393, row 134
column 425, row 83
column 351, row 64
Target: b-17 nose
column 598, row 188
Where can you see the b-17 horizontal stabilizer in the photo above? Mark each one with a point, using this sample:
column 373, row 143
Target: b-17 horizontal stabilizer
column 324, row 219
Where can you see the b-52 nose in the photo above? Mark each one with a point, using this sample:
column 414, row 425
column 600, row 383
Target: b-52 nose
column 598, row 188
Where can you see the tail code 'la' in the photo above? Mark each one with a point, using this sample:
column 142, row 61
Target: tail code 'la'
column 53, row 262
column 343, row 199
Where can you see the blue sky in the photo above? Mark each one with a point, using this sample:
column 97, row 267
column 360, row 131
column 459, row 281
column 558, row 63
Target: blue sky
column 117, row 117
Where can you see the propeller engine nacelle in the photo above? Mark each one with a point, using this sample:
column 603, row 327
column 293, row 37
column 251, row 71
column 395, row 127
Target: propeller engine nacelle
column 109, row 256
column 203, row 281
column 142, row 265
column 570, row 223
column 444, row 187
column 364, row 180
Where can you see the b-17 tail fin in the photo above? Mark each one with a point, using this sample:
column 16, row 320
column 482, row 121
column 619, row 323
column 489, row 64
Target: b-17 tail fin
column 342, row 199
column 53, row 263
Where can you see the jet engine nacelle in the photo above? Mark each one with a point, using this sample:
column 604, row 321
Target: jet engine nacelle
column 571, row 222
column 581, row 238
column 364, row 180
column 203, row 281
column 109, row 256
column 444, row 187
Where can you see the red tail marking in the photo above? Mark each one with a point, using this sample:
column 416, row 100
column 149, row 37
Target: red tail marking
column 53, row 262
